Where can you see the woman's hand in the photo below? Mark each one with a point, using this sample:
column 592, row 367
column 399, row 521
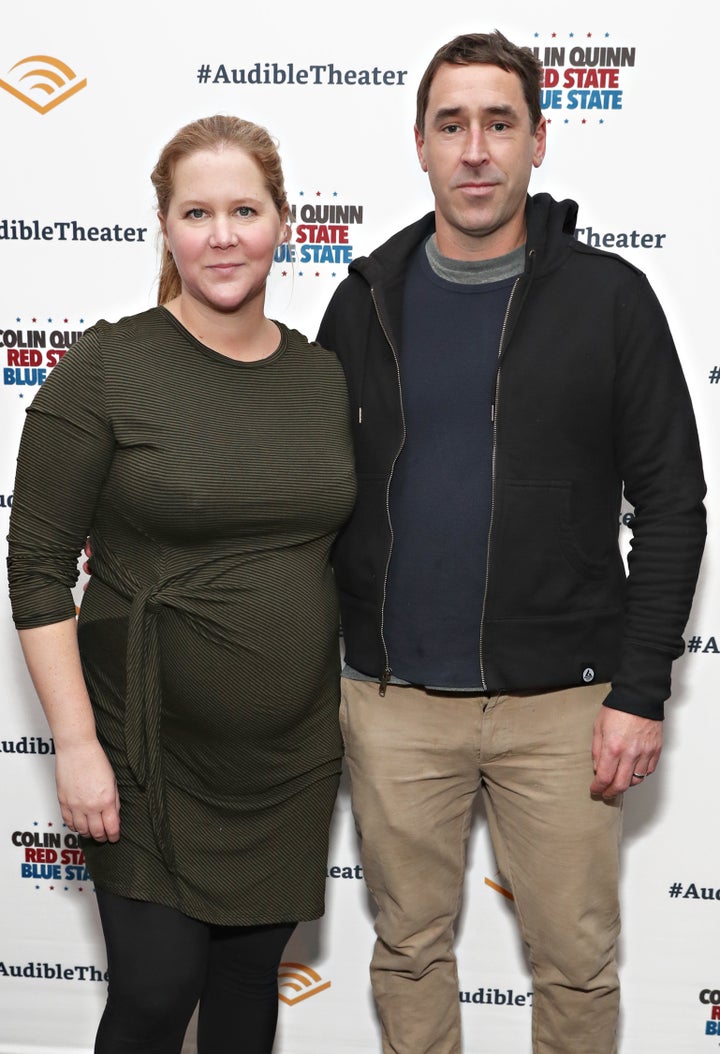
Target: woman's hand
column 87, row 791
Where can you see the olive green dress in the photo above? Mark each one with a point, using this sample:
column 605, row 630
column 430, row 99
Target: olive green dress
column 212, row 490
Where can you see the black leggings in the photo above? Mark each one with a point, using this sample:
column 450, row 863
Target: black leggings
column 160, row 963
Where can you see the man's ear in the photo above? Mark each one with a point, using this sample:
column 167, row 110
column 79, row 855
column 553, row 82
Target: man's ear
column 420, row 147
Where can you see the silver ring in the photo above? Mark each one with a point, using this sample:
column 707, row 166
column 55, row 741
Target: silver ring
column 637, row 775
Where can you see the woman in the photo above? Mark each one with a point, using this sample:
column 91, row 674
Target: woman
column 206, row 450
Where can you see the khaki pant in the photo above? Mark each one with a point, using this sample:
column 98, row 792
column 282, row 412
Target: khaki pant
column 417, row 760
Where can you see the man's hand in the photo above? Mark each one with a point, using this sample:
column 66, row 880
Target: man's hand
column 88, row 554
column 625, row 748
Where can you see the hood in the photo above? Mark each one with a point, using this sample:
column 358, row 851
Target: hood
column 550, row 229
column 388, row 261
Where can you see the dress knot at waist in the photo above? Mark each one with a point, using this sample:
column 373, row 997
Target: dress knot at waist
column 184, row 592
column 143, row 709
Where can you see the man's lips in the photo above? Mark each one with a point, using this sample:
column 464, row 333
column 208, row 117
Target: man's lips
column 478, row 186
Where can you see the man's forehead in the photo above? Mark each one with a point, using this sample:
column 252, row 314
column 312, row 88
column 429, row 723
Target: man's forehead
column 477, row 86
column 452, row 78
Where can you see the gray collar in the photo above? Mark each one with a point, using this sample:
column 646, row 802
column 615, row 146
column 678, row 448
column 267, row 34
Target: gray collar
column 474, row 272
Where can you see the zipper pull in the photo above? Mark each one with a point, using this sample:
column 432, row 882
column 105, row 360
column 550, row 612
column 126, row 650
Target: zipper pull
column 384, row 681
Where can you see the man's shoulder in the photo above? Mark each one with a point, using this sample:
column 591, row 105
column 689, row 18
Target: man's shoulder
column 605, row 257
column 392, row 254
column 552, row 229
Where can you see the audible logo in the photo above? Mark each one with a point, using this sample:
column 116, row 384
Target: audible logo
column 499, row 889
column 42, row 82
column 302, row 981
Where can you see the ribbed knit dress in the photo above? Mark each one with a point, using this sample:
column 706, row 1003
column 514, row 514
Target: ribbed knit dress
column 212, row 490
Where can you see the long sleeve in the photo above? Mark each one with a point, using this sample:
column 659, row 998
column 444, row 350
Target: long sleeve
column 65, row 451
column 659, row 456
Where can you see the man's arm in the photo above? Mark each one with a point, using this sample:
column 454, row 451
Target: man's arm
column 659, row 457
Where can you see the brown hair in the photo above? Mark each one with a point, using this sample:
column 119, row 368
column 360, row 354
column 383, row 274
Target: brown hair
column 491, row 49
column 212, row 133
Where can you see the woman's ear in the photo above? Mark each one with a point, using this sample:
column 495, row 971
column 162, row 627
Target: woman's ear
column 163, row 229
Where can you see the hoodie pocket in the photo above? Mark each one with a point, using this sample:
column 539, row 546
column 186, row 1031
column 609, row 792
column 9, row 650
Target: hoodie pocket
column 538, row 564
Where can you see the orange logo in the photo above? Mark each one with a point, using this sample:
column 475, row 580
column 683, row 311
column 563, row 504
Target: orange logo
column 301, row 980
column 499, row 889
column 42, row 82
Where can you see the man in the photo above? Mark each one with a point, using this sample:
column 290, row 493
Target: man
column 508, row 382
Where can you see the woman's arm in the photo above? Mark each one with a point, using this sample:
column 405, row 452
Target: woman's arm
column 65, row 453
column 86, row 785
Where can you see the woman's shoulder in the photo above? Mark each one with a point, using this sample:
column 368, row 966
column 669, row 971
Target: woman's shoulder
column 316, row 353
column 128, row 327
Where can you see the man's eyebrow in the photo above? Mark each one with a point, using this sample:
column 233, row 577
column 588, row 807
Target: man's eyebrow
column 446, row 112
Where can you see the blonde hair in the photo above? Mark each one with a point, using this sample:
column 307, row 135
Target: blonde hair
column 212, row 133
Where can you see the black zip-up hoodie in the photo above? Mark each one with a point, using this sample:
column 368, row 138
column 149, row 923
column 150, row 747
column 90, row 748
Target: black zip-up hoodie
column 590, row 398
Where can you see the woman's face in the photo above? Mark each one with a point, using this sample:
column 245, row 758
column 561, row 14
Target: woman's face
column 222, row 228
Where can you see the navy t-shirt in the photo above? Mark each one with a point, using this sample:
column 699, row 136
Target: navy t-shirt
column 441, row 486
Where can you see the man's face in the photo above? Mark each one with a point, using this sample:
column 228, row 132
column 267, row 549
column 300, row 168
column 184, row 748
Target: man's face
column 479, row 150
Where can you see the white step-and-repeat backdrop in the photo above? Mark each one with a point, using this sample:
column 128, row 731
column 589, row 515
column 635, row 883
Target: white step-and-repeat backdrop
column 88, row 95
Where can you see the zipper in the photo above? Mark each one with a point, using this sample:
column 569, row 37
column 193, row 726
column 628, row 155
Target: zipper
column 493, row 465
column 387, row 672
